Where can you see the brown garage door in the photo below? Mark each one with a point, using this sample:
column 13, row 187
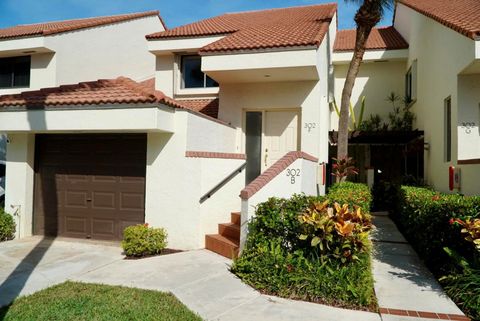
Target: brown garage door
column 89, row 186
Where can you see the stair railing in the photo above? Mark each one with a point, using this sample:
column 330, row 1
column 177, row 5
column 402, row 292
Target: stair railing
column 223, row 183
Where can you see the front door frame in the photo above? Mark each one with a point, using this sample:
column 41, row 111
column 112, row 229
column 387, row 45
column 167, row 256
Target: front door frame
column 296, row 110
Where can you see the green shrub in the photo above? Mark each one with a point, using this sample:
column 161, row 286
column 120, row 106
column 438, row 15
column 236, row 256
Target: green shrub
column 141, row 240
column 353, row 194
column 277, row 261
column 7, row 226
column 336, row 232
column 464, row 289
column 424, row 215
column 273, row 270
column 277, row 220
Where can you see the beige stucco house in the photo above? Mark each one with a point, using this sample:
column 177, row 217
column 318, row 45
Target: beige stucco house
column 189, row 128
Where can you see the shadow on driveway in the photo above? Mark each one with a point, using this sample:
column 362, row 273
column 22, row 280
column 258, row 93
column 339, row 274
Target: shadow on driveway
column 15, row 282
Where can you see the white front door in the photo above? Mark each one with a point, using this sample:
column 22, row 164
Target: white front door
column 280, row 136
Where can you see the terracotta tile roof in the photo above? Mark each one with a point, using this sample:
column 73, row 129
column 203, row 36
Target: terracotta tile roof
column 101, row 92
column 273, row 171
column 205, row 106
column 386, row 38
column 208, row 107
column 50, row 28
column 462, row 16
column 275, row 28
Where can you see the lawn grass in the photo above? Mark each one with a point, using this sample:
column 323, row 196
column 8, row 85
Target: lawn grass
column 72, row 301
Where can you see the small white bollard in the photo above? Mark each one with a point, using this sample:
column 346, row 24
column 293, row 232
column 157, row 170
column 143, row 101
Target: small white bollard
column 370, row 177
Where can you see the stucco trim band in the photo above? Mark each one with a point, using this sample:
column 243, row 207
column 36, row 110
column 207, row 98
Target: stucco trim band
column 273, row 171
column 200, row 154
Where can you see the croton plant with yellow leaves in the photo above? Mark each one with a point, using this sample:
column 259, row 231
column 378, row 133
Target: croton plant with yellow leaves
column 470, row 230
column 337, row 232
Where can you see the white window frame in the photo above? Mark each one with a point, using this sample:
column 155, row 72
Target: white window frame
column 209, row 91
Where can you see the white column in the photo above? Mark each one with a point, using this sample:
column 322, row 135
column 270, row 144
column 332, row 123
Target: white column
column 19, row 181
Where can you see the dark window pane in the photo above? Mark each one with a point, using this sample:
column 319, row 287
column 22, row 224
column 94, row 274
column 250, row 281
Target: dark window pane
column 15, row 72
column 448, row 129
column 191, row 72
column 6, row 73
column 211, row 83
column 22, row 72
column 253, row 146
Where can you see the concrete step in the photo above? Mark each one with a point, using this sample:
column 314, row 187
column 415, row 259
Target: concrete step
column 229, row 230
column 235, row 218
column 222, row 245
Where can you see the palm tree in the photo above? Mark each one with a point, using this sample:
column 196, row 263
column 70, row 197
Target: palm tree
column 368, row 16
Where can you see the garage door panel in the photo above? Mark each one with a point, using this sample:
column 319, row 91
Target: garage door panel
column 76, row 199
column 132, row 201
column 104, row 228
column 89, row 186
column 75, row 225
column 104, row 200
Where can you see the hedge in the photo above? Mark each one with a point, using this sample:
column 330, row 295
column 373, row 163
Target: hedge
column 277, row 261
column 424, row 216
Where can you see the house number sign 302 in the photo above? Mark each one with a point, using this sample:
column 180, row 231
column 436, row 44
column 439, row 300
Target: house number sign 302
column 293, row 174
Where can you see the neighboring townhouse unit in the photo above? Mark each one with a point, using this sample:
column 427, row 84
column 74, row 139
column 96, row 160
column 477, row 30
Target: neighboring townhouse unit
column 444, row 62
column 66, row 52
column 431, row 56
column 192, row 123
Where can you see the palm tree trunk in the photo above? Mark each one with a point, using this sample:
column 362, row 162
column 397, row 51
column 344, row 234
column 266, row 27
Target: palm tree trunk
column 362, row 35
column 367, row 16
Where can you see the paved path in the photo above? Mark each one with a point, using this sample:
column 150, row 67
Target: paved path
column 200, row 279
column 403, row 285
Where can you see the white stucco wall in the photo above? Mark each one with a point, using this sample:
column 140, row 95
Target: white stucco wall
column 108, row 51
column 164, row 74
column 218, row 207
column 19, row 181
column 375, row 81
column 442, row 54
column 469, row 117
column 115, row 118
column 281, row 186
column 175, row 183
column 236, row 98
column 206, row 135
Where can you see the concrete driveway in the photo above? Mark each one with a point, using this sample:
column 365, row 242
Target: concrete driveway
column 200, row 279
column 35, row 263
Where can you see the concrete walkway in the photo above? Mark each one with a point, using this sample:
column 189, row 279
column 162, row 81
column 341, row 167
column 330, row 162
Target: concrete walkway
column 200, row 279
column 403, row 285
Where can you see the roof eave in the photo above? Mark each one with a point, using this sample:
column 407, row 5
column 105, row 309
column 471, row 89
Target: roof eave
column 256, row 50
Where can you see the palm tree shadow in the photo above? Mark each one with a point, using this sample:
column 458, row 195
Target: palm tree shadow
column 12, row 286
column 16, row 281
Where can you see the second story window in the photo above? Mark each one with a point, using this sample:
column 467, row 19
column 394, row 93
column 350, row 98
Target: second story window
column 192, row 75
column 411, row 83
column 15, row 72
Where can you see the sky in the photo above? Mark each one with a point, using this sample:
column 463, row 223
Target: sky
column 173, row 12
